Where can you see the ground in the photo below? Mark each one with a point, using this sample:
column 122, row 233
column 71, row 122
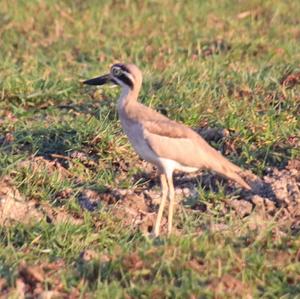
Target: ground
column 77, row 203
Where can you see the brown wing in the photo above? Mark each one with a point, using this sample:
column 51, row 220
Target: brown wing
column 179, row 143
column 174, row 141
column 167, row 128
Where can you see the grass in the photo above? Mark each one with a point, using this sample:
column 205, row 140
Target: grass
column 205, row 63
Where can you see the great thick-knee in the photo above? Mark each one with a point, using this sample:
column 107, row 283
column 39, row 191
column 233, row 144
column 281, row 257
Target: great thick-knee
column 163, row 142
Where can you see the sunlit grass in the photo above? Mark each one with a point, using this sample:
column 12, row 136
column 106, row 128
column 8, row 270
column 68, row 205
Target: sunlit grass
column 205, row 63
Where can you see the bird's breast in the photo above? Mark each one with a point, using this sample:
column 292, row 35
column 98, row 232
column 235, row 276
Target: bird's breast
column 135, row 134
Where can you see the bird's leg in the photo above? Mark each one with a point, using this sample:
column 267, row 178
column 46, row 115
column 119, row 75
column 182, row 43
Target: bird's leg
column 171, row 196
column 164, row 187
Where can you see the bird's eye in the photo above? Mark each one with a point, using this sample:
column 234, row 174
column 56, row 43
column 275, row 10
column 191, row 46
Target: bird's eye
column 116, row 71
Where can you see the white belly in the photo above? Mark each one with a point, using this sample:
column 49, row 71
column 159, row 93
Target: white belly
column 171, row 165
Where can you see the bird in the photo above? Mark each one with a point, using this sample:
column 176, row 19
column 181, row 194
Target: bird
column 167, row 144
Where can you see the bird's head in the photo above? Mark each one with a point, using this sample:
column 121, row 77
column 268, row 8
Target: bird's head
column 125, row 75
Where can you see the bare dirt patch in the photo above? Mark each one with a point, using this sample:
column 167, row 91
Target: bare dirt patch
column 276, row 195
column 37, row 281
column 133, row 209
column 41, row 164
column 14, row 208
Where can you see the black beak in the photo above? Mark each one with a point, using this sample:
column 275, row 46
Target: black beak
column 100, row 80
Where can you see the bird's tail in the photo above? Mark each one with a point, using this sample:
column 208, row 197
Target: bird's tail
column 236, row 176
column 227, row 169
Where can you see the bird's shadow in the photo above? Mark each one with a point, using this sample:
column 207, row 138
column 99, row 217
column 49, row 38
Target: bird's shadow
column 209, row 182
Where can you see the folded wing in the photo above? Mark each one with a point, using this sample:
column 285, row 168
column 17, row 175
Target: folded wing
column 177, row 142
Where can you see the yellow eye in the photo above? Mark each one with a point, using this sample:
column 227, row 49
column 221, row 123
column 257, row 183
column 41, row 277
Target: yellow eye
column 116, row 71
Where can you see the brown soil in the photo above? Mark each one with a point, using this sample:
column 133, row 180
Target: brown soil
column 278, row 194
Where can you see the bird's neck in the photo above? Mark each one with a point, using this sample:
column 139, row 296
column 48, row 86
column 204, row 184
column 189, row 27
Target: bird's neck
column 127, row 97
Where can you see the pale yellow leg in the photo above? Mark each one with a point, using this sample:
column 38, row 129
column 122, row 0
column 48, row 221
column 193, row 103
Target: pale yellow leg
column 164, row 187
column 171, row 196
